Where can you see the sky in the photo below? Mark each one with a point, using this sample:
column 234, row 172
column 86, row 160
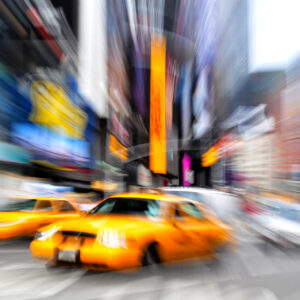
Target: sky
column 274, row 33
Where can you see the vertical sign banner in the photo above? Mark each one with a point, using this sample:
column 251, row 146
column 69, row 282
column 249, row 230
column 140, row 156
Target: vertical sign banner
column 187, row 172
column 210, row 157
column 158, row 158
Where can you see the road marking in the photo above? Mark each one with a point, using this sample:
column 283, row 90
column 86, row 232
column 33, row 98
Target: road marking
column 132, row 287
column 36, row 284
column 21, row 266
column 62, row 285
column 13, row 250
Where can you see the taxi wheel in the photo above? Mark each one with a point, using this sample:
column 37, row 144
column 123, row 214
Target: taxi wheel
column 151, row 258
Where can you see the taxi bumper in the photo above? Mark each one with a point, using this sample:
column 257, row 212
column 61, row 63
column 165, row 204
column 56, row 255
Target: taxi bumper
column 94, row 257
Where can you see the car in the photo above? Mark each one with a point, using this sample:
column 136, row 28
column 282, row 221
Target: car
column 278, row 197
column 278, row 223
column 24, row 217
column 224, row 205
column 130, row 230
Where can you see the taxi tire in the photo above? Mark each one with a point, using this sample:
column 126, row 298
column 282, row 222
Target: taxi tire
column 151, row 258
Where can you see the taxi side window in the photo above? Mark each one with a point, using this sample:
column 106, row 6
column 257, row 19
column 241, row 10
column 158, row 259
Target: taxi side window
column 177, row 213
column 190, row 210
column 66, row 206
column 43, row 206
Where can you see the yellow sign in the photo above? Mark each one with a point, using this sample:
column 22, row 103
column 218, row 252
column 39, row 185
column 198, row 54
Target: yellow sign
column 104, row 186
column 117, row 149
column 52, row 166
column 158, row 158
column 53, row 108
column 210, row 157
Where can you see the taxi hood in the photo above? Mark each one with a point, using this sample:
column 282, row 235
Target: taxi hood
column 96, row 224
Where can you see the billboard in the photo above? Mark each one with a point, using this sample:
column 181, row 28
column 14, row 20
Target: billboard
column 210, row 157
column 158, row 160
column 187, row 172
column 53, row 122
column 118, row 138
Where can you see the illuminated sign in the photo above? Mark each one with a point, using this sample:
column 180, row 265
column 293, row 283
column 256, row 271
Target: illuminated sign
column 119, row 131
column 210, row 157
column 51, row 149
column 104, row 186
column 228, row 144
column 158, row 159
column 144, row 176
column 54, row 109
column 187, row 172
column 54, row 123
column 117, row 149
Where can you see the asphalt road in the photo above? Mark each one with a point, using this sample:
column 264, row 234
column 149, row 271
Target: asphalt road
column 252, row 272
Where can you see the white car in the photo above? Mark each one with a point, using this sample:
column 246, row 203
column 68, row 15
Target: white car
column 279, row 223
column 224, row 205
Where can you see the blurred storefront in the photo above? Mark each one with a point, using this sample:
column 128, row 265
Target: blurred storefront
column 289, row 173
column 255, row 124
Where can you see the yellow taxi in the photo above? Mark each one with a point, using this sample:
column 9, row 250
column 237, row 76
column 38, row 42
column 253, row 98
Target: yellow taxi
column 131, row 230
column 24, row 217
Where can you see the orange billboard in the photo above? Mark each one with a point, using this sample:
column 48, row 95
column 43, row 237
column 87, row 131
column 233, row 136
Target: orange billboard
column 117, row 149
column 210, row 157
column 158, row 157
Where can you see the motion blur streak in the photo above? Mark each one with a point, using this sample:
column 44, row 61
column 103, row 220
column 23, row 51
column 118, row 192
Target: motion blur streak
column 156, row 137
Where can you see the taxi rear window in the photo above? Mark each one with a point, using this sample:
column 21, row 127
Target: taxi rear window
column 128, row 206
column 63, row 205
column 190, row 209
column 43, row 205
column 26, row 205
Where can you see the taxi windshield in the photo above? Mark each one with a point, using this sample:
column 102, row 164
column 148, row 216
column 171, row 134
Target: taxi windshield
column 128, row 206
column 27, row 205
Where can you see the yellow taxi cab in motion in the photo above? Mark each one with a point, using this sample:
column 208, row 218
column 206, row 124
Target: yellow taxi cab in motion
column 131, row 230
column 24, row 218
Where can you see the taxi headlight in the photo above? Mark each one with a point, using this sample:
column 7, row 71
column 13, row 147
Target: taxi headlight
column 45, row 235
column 5, row 224
column 112, row 239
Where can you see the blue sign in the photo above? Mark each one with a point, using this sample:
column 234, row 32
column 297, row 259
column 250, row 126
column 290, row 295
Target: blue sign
column 49, row 118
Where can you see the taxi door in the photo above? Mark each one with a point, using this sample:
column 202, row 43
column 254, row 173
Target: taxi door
column 196, row 227
column 181, row 240
column 174, row 240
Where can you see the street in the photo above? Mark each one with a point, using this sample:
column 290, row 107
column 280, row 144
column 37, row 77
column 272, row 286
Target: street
column 251, row 272
column 133, row 132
